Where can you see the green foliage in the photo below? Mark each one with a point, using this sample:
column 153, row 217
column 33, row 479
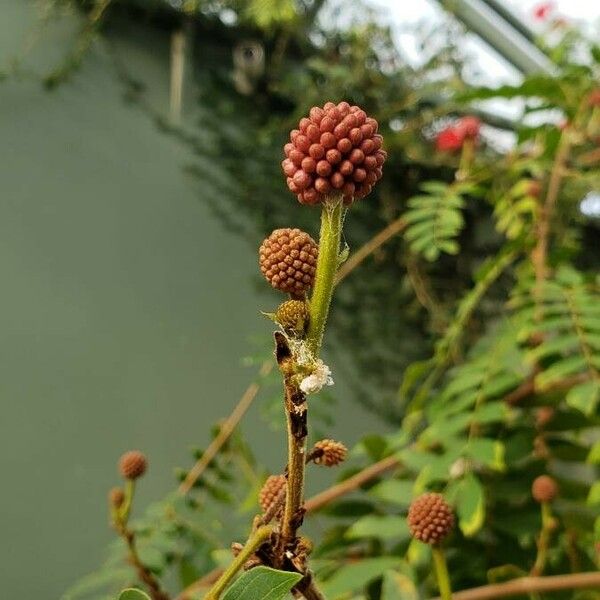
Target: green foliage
column 133, row 594
column 262, row 583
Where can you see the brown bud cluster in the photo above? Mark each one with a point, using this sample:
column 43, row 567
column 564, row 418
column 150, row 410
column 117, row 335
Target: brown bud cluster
column 288, row 260
column 544, row 489
column 270, row 491
column 116, row 497
column 335, row 150
column 132, row 464
column 430, row 518
column 329, row 453
column 293, row 317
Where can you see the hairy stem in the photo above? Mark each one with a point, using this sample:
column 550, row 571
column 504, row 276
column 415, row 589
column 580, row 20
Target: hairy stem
column 296, row 417
column 255, row 541
column 441, row 572
column 543, row 541
column 327, row 264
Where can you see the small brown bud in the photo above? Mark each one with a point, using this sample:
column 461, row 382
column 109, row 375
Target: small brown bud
column 116, row 497
column 329, row 453
column 293, row 317
column 288, row 260
column 543, row 416
column 132, row 464
column 430, row 518
column 544, row 489
column 270, row 491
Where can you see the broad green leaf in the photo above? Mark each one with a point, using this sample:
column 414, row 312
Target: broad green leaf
column 594, row 494
column 133, row 594
column 584, row 397
column 398, row 586
column 352, row 577
column 488, row 452
column 262, row 583
column 382, row 527
column 470, row 505
column 394, row 491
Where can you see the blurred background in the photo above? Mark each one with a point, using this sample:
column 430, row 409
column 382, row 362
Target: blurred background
column 141, row 143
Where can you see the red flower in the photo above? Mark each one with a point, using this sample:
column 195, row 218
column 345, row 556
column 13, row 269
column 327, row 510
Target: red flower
column 469, row 127
column 542, row 11
column 449, row 139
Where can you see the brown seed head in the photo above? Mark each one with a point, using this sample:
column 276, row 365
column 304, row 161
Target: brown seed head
column 544, row 489
column 288, row 260
column 335, row 150
column 270, row 491
column 430, row 518
column 116, row 497
column 293, row 316
column 132, row 464
column 330, row 453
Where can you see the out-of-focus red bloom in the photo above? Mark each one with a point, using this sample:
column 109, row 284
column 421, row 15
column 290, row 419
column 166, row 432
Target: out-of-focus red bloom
column 449, row 139
column 469, row 127
column 594, row 98
column 542, row 11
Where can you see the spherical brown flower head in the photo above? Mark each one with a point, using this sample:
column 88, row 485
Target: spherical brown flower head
column 330, row 453
column 288, row 260
column 430, row 518
column 132, row 464
column 270, row 491
column 293, row 316
column 544, row 489
column 116, row 497
column 336, row 150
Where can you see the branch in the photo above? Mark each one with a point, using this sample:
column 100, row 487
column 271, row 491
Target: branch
column 351, row 484
column 226, row 430
column 369, row 247
column 528, row 585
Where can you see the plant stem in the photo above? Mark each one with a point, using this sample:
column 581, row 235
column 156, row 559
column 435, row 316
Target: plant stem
column 327, row 264
column 255, row 541
column 543, row 539
column 441, row 572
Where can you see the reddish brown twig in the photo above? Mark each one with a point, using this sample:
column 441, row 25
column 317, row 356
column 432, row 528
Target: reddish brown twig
column 225, row 431
column 528, row 585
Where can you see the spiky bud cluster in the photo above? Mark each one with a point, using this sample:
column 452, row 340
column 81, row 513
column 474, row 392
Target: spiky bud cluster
column 335, row 150
column 116, row 497
column 271, row 490
column 132, row 464
column 430, row 518
column 293, row 317
column 288, row 260
column 544, row 489
column 329, row 453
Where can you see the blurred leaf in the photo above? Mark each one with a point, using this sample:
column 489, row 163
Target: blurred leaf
column 470, row 501
column 133, row 594
column 398, row 586
column 382, row 527
column 352, row 577
column 262, row 583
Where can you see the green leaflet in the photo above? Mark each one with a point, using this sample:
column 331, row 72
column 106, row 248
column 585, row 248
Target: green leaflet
column 398, row 586
column 382, row 527
column 470, row 505
column 585, row 396
column 352, row 577
column 133, row 594
column 262, row 583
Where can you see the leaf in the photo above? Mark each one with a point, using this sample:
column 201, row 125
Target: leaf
column 584, row 397
column 133, row 594
column 398, row 586
column 594, row 494
column 352, row 577
column 382, row 527
column 470, row 505
column 488, row 452
column 262, row 583
column 394, row 491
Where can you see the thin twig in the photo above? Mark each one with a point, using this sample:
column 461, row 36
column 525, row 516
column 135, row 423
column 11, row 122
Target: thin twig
column 369, row 247
column 351, row 484
column 526, row 585
column 226, row 430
